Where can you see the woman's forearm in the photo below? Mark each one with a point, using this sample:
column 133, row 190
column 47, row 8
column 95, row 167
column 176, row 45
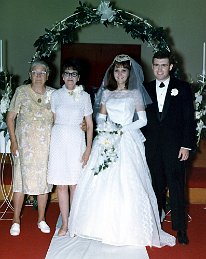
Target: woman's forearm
column 10, row 120
column 89, row 132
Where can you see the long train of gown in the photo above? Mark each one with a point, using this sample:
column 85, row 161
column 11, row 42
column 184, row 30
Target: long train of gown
column 67, row 247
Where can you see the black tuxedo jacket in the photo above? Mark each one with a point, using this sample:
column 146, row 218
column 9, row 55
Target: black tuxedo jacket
column 174, row 127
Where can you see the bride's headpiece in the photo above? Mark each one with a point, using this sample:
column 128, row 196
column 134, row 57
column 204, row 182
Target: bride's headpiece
column 136, row 79
column 121, row 58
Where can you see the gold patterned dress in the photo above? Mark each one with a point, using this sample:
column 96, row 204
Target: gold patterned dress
column 33, row 127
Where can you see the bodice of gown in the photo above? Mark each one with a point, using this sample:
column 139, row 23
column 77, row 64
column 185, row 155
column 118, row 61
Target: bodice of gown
column 120, row 106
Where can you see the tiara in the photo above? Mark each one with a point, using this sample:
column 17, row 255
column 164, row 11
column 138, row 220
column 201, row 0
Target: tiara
column 121, row 58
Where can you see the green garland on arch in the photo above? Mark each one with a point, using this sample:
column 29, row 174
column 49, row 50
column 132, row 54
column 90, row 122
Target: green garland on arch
column 65, row 30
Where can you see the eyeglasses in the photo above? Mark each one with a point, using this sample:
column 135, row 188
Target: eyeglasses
column 38, row 73
column 72, row 74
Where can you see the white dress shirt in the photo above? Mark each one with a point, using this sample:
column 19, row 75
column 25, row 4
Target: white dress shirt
column 161, row 93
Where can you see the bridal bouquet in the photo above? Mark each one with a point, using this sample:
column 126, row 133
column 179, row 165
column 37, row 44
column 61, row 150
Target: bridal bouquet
column 108, row 139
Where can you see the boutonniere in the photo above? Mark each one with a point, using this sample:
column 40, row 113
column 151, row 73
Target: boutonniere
column 76, row 92
column 174, row 92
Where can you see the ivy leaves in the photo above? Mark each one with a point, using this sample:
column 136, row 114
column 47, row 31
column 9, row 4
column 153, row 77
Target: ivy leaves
column 66, row 30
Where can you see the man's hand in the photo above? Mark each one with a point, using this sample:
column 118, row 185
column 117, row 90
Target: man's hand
column 183, row 154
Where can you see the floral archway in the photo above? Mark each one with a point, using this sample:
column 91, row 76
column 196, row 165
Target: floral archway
column 65, row 30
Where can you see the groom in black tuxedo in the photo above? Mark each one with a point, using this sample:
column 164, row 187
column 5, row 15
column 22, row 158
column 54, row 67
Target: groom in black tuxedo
column 169, row 139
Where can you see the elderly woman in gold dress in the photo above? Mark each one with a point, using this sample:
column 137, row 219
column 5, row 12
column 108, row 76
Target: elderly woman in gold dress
column 29, row 122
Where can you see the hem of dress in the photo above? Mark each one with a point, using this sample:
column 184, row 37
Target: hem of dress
column 118, row 244
column 55, row 183
column 28, row 193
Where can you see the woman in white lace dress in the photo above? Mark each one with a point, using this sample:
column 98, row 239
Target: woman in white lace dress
column 69, row 150
column 114, row 202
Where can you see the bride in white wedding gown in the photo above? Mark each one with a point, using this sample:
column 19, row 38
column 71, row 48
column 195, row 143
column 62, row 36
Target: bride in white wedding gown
column 114, row 203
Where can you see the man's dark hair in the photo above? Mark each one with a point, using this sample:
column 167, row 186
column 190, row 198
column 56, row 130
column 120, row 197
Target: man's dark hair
column 163, row 54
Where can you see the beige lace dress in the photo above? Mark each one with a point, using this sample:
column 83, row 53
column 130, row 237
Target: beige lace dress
column 33, row 127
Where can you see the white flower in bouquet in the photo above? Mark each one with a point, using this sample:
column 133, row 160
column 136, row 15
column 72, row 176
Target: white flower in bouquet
column 108, row 139
column 105, row 142
column 109, row 127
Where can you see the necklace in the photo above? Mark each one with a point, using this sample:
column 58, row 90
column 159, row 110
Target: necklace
column 39, row 92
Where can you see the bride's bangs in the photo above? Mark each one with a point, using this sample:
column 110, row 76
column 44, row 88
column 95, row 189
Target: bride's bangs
column 124, row 64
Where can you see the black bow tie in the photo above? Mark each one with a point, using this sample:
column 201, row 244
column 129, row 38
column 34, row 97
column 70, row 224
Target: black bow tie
column 162, row 85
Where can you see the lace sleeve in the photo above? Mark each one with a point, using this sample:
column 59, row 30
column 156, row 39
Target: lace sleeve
column 138, row 100
column 105, row 96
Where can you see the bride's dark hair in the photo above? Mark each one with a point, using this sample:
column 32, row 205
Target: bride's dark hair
column 112, row 83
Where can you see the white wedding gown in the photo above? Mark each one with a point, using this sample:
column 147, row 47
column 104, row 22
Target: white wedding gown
column 118, row 206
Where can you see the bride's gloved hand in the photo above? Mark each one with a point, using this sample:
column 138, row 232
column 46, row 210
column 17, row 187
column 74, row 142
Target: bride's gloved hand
column 141, row 122
column 101, row 118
